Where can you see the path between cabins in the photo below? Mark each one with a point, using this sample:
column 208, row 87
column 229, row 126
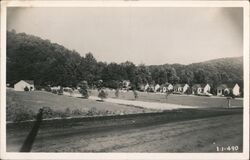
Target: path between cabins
column 149, row 105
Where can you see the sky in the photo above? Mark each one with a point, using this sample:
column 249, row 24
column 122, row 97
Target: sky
column 150, row 36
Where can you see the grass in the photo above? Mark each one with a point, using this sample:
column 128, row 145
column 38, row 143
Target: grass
column 25, row 105
column 187, row 100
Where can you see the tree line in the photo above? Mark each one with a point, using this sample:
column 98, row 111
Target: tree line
column 32, row 58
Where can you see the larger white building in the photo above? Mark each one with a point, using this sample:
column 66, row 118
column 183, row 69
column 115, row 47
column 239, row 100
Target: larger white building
column 22, row 84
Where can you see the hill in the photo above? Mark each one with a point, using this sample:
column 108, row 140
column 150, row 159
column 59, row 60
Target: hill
column 47, row 63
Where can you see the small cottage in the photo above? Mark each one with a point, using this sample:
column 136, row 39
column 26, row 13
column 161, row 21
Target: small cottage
column 166, row 87
column 184, row 88
column 22, row 84
column 206, row 88
column 76, row 93
column 67, row 91
column 146, row 87
column 178, row 88
column 236, row 90
column 224, row 89
column 157, row 88
column 197, row 89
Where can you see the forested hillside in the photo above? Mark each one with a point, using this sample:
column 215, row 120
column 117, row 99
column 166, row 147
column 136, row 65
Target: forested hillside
column 32, row 58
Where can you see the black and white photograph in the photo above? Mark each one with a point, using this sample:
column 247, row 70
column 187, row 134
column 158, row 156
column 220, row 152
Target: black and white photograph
column 125, row 78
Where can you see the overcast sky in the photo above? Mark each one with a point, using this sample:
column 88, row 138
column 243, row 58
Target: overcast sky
column 140, row 35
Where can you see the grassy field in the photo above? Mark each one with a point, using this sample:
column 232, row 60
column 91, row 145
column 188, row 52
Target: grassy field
column 187, row 100
column 181, row 130
column 25, row 105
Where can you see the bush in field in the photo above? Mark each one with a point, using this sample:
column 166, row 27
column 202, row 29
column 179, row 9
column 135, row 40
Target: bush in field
column 102, row 94
column 84, row 88
column 60, row 91
column 47, row 88
column 168, row 92
column 54, row 91
column 189, row 90
column 77, row 112
column 26, row 89
column 66, row 113
column 38, row 87
column 135, row 94
column 117, row 93
column 48, row 112
column 92, row 112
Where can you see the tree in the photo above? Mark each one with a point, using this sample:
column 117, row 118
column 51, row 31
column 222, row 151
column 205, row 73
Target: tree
column 186, row 76
column 189, row 90
column 99, row 84
column 88, row 68
column 135, row 94
column 48, row 63
column 102, row 94
column 168, row 92
column 200, row 76
column 83, row 85
column 173, row 78
column 117, row 93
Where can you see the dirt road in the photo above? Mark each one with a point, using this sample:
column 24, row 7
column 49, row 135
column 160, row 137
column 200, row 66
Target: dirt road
column 152, row 133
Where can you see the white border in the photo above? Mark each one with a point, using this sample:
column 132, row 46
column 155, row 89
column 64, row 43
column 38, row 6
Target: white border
column 229, row 156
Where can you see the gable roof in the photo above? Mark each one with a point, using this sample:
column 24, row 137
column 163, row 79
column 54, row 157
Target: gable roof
column 184, row 84
column 204, row 85
column 177, row 85
column 31, row 82
column 195, row 86
column 166, row 85
column 230, row 85
column 222, row 86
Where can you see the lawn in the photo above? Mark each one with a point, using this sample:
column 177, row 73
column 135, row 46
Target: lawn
column 186, row 100
column 25, row 105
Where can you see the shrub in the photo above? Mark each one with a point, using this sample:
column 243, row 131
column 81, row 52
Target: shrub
column 26, row 89
column 38, row 87
column 92, row 111
column 84, row 88
column 102, row 94
column 47, row 88
column 135, row 94
column 54, row 91
column 117, row 93
column 78, row 112
column 66, row 113
column 48, row 112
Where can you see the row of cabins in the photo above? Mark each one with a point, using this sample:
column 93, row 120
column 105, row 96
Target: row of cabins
column 66, row 91
column 22, row 84
column 197, row 89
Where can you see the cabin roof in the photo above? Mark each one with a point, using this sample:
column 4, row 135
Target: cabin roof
column 31, row 82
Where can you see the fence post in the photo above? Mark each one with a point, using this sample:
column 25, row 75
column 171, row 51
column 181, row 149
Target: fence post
column 228, row 102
